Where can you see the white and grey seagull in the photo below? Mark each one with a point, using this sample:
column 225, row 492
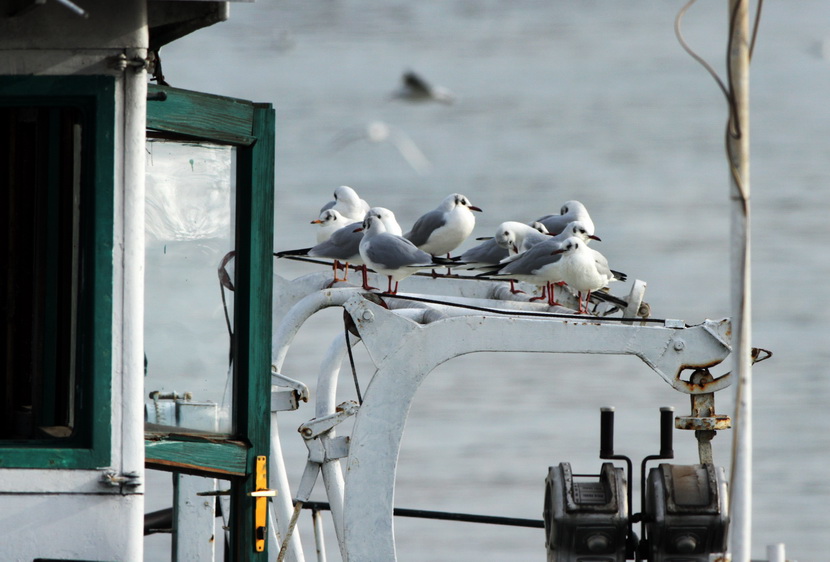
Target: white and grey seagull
column 445, row 228
column 344, row 245
column 511, row 238
column 584, row 269
column 540, row 264
column 571, row 211
column 348, row 203
column 328, row 223
column 391, row 255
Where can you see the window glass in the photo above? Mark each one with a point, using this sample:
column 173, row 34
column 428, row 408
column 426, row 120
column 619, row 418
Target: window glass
column 189, row 284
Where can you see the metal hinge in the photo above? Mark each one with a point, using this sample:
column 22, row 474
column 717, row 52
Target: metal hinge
column 121, row 62
column 129, row 479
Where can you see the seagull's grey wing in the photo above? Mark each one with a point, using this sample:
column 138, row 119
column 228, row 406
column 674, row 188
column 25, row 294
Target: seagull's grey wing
column 532, row 260
column 411, row 153
column 533, row 237
column 344, row 244
column 394, row 252
column 425, row 226
column 554, row 223
column 346, row 136
column 488, row 252
column 604, row 269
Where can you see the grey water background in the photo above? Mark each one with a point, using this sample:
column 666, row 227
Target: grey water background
column 589, row 100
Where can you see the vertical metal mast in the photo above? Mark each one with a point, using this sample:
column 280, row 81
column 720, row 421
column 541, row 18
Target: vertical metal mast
column 738, row 153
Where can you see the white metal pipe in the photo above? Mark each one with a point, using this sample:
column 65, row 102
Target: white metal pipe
column 776, row 553
column 741, row 295
column 319, row 537
column 281, row 506
column 302, row 311
column 132, row 321
column 332, row 472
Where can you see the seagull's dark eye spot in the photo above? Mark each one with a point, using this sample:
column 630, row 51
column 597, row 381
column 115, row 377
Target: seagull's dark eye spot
column 564, row 210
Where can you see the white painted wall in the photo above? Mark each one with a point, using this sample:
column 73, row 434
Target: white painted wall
column 72, row 513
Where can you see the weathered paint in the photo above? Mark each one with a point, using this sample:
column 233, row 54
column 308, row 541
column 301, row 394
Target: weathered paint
column 395, row 345
column 83, row 516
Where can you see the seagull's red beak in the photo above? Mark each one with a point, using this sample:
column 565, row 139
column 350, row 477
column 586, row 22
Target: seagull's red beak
column 592, row 237
column 358, row 229
column 474, row 208
column 316, row 221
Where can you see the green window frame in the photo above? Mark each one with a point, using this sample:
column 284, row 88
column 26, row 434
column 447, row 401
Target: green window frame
column 88, row 445
column 250, row 127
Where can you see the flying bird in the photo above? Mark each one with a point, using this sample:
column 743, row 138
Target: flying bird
column 378, row 132
column 415, row 89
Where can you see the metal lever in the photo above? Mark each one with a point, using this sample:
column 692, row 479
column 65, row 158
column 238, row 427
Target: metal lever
column 666, row 452
column 606, row 451
column 606, row 432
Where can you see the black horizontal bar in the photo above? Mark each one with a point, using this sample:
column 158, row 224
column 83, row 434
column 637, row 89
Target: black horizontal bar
column 447, row 516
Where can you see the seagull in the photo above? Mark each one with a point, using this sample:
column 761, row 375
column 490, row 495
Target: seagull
column 571, row 211
column 511, row 238
column 584, row 269
column 344, row 245
column 330, row 220
column 378, row 132
column 348, row 203
column 539, row 264
column 391, row 255
column 445, row 228
column 517, row 237
column 416, row 89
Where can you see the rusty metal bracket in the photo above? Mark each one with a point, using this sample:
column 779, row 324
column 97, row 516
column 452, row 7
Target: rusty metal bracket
column 704, row 421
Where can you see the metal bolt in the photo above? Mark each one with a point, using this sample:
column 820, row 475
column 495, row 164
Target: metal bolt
column 679, row 345
column 368, row 316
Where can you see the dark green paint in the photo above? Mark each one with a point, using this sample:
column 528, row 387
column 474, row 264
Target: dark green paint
column 204, row 457
column 200, row 115
column 90, row 444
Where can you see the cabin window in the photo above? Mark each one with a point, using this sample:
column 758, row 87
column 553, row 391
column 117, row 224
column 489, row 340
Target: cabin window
column 56, row 281
column 41, row 255
column 189, row 283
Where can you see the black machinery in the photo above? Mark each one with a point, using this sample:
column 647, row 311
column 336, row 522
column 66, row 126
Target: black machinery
column 684, row 518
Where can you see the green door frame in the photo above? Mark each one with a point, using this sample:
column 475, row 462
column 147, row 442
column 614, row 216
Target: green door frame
column 250, row 127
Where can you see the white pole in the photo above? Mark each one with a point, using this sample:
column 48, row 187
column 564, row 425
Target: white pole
column 132, row 311
column 738, row 149
column 776, row 553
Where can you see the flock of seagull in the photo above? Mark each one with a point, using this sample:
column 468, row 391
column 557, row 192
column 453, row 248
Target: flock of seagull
column 553, row 250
